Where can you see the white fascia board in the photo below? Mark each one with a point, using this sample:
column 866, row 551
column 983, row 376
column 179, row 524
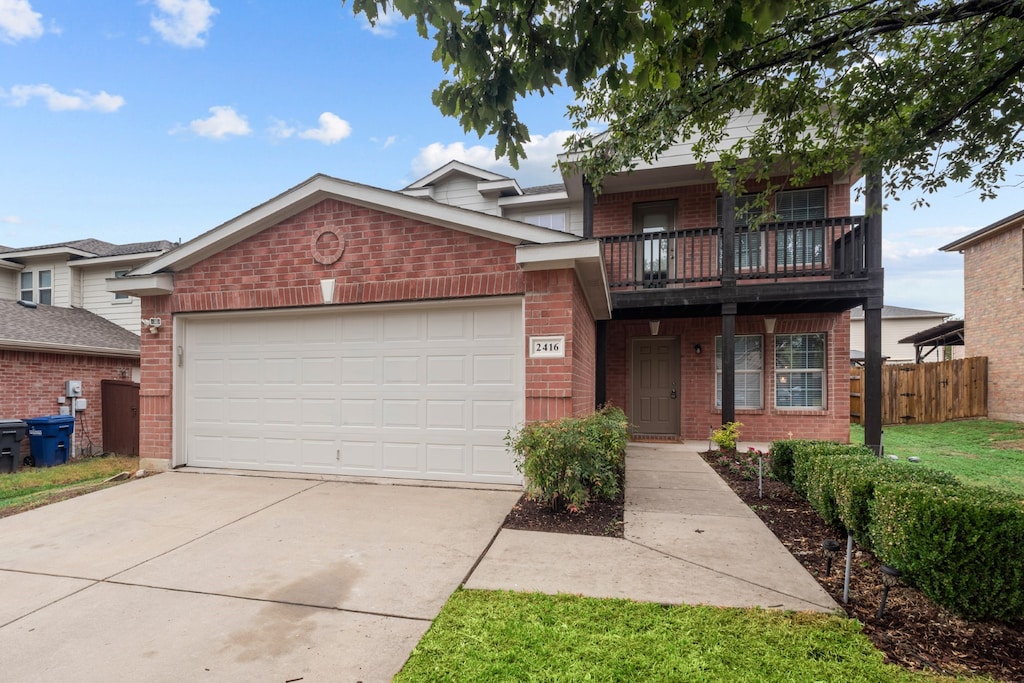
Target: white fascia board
column 528, row 200
column 420, row 192
column 585, row 257
column 45, row 347
column 114, row 260
column 454, row 167
column 11, row 265
column 492, row 187
column 52, row 251
column 158, row 284
column 321, row 187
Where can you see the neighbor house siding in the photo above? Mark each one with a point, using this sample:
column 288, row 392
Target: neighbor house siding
column 124, row 312
column 33, row 381
column 462, row 191
column 994, row 306
column 894, row 329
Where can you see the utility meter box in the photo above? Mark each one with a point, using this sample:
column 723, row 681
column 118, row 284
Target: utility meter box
column 73, row 388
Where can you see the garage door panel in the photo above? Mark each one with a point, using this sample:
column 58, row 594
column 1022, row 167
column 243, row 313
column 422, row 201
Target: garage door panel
column 424, row 392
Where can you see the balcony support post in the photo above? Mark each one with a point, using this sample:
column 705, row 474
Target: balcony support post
column 729, row 232
column 873, row 316
column 728, row 362
column 588, row 209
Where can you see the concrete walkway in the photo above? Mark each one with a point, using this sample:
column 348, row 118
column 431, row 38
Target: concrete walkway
column 688, row 539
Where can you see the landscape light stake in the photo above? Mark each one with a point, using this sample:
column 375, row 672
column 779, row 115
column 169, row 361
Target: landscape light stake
column 849, row 562
column 830, row 546
column 760, row 474
column 890, row 578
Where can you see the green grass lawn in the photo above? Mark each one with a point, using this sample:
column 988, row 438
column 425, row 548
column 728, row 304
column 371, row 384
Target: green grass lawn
column 505, row 636
column 982, row 452
column 31, row 487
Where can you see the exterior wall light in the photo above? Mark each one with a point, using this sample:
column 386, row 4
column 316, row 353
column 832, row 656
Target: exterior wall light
column 696, row 349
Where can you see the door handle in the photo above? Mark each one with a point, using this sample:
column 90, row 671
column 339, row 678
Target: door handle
column 673, row 394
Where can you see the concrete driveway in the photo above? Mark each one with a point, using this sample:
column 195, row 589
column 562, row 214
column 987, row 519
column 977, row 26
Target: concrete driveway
column 197, row 576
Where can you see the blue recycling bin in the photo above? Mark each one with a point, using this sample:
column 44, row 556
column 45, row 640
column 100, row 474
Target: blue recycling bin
column 11, row 434
column 49, row 439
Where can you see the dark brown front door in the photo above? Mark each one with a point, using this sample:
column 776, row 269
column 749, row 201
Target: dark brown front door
column 120, row 401
column 655, row 371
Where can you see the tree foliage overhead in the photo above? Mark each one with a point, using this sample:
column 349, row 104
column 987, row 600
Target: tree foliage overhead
column 928, row 91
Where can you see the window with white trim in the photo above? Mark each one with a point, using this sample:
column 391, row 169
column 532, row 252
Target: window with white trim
column 655, row 255
column 37, row 286
column 120, row 296
column 551, row 221
column 800, row 370
column 749, row 249
column 800, row 245
column 749, row 371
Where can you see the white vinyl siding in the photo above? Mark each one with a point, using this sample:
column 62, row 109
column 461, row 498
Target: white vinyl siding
column 95, row 297
column 749, row 371
column 800, row 370
column 462, row 191
column 421, row 392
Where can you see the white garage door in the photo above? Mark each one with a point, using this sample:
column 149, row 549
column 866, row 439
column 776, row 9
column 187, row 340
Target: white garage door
column 425, row 391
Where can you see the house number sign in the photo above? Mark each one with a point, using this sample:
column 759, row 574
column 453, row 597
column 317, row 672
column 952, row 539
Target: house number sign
column 547, row 347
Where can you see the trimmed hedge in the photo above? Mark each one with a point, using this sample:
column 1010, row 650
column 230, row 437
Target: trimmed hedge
column 568, row 461
column 962, row 546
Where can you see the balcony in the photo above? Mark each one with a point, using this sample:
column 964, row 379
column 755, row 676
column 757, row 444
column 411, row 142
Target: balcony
column 822, row 260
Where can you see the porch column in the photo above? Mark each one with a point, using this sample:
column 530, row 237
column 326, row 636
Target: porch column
column 728, row 363
column 728, row 228
column 873, row 316
column 588, row 209
column 600, row 363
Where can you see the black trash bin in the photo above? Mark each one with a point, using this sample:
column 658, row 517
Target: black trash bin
column 49, row 438
column 11, row 434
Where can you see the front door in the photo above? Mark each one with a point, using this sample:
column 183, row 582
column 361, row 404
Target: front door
column 655, row 372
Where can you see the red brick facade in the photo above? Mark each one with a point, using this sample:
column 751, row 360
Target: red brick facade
column 32, row 382
column 697, row 411
column 386, row 258
column 994, row 314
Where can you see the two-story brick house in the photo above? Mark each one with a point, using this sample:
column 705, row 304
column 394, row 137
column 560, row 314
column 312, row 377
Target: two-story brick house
column 994, row 309
column 348, row 329
column 58, row 323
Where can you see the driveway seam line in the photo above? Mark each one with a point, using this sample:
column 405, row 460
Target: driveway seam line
column 52, row 602
column 212, row 531
column 480, row 557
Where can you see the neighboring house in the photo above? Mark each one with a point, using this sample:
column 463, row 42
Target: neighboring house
column 994, row 309
column 74, row 330
column 897, row 323
column 341, row 328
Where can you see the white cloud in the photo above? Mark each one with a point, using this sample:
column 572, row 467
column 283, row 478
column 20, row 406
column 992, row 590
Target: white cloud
column 280, row 129
column 10, row 220
column 332, row 129
column 79, row 100
column 385, row 143
column 536, row 169
column 183, row 22
column 19, row 21
column 385, row 24
column 224, row 121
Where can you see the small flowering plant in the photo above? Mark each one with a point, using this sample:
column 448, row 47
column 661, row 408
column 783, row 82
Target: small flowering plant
column 745, row 464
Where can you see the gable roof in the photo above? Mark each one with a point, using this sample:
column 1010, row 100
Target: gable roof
column 991, row 230
column 949, row 333
column 62, row 330
column 87, row 248
column 899, row 312
column 455, row 168
column 320, row 187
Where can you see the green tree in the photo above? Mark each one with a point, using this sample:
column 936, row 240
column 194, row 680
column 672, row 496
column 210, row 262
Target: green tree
column 929, row 91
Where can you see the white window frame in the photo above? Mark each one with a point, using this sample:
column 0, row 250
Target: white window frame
column 785, row 376
column 749, row 249
column 120, row 297
column 655, row 257
column 746, row 372
column 35, row 290
column 551, row 221
column 802, row 246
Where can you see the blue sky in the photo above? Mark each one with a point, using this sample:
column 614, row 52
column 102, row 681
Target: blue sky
column 160, row 119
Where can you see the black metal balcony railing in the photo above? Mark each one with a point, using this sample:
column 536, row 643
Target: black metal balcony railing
column 833, row 248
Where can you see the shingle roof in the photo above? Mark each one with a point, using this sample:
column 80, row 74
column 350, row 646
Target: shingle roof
column 99, row 247
column 63, row 326
column 544, row 189
column 899, row 312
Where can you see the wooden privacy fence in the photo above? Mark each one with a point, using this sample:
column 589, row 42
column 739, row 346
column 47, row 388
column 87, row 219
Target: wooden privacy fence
column 926, row 392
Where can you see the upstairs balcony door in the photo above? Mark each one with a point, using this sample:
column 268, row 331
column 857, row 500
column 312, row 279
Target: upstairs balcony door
column 655, row 255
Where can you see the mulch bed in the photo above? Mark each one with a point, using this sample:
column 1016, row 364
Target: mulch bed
column 913, row 632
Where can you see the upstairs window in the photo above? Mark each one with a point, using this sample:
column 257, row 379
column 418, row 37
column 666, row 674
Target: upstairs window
column 800, row 245
column 119, row 296
column 749, row 249
column 551, row 221
column 655, row 255
column 37, row 286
